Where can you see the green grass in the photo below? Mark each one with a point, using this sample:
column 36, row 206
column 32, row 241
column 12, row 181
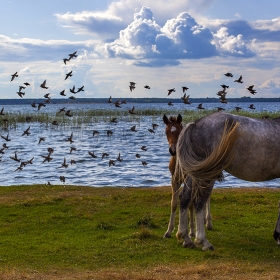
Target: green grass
column 50, row 228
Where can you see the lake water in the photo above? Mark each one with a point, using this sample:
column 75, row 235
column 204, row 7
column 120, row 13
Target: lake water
column 96, row 172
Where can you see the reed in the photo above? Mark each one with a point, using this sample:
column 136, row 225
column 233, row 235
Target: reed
column 81, row 117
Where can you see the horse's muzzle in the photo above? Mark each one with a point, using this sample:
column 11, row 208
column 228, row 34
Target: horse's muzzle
column 172, row 152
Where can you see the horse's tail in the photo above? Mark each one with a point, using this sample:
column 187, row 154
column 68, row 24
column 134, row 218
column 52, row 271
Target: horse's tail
column 203, row 171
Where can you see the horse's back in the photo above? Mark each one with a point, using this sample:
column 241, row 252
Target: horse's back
column 256, row 150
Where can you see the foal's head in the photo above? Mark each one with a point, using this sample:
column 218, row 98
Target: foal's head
column 172, row 131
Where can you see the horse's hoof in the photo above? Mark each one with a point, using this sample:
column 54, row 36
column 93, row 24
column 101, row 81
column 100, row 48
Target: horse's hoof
column 167, row 235
column 209, row 227
column 190, row 245
column 210, row 248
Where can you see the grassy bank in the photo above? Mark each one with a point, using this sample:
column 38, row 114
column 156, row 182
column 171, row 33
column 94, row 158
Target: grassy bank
column 94, row 116
column 56, row 232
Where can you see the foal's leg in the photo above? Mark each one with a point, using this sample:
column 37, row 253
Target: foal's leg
column 200, row 204
column 174, row 203
column 185, row 200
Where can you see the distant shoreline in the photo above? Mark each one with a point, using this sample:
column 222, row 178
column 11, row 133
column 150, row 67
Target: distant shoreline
column 134, row 100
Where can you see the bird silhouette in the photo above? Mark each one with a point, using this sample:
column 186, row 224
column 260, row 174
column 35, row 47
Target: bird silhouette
column 6, row 138
column 133, row 128
column 113, row 120
column 72, row 90
column 70, row 139
column 72, row 55
column 200, row 107
column 184, row 89
column 111, row 162
column 109, row 100
column 105, row 155
column 40, row 105
column 238, row 109
column 119, row 158
column 144, row 148
column 34, row 105
column 68, row 113
column 228, row 75
column 72, row 97
column 95, row 132
column 62, row 93
column 15, row 158
column 252, row 107
column 62, row 179
column 154, row 125
column 27, row 84
column 72, row 149
column 41, row 139
column 61, row 110
column 92, row 154
column 20, row 88
column 64, row 164
column 239, row 80
column 65, row 60
column 20, row 94
column 2, row 112
column 55, row 122
column 14, row 76
column 26, row 132
column 151, row 130
column 131, row 111
column 68, row 75
column 147, row 87
column 170, row 103
column 109, row 132
column 144, row 162
column 138, row 155
column 170, row 91
column 43, row 85
column 72, row 161
column 81, row 89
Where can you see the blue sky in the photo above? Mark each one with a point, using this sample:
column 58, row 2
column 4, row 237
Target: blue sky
column 161, row 43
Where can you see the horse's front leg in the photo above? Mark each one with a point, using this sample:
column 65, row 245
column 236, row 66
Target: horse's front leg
column 174, row 203
column 185, row 200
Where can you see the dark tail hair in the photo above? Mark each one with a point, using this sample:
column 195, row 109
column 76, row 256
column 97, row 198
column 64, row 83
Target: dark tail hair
column 203, row 171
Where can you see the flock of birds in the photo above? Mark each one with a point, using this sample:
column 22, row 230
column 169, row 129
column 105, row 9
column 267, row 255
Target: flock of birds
column 132, row 85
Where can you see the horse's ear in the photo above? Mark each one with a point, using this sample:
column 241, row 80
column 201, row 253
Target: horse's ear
column 179, row 119
column 165, row 119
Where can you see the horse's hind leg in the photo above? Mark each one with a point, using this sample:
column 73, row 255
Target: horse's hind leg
column 192, row 225
column 276, row 234
column 174, row 203
column 200, row 205
column 208, row 216
column 185, row 201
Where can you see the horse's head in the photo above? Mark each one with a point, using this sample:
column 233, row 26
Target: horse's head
column 172, row 131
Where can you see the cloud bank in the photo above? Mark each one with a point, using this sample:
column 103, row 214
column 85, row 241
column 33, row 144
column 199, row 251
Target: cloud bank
column 145, row 41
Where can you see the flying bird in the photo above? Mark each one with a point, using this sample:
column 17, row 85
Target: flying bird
column 14, row 76
column 228, row 75
column 26, row 132
column 184, row 89
column 72, row 55
column 239, row 80
column 68, row 75
column 43, row 85
column 170, row 91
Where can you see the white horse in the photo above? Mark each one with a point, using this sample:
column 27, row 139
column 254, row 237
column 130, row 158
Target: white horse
column 247, row 148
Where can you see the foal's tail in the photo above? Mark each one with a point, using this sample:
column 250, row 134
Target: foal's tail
column 204, row 171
